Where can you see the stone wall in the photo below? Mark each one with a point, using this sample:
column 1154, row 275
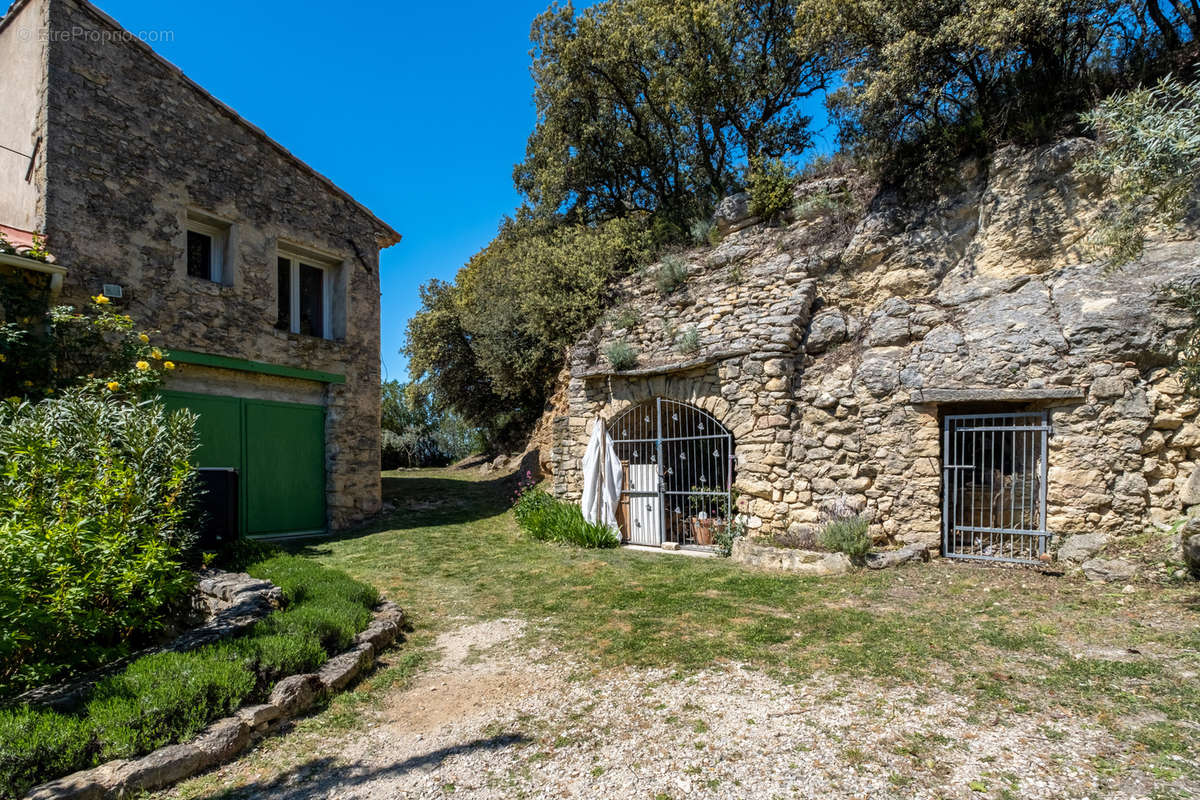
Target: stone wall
column 133, row 145
column 986, row 299
column 749, row 317
column 23, row 119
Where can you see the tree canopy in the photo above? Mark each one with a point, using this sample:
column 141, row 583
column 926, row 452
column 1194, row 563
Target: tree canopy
column 655, row 105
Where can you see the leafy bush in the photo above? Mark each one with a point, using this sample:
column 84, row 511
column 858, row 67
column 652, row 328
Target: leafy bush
column 672, row 273
column 1149, row 146
column 529, row 503
column 332, row 620
column 770, row 183
column 35, row 745
column 48, row 351
column 701, row 231
column 848, row 535
column 491, row 344
column 625, row 318
column 167, row 697
column 725, row 535
column 550, row 520
column 621, row 355
column 415, row 432
column 688, row 341
column 1186, row 296
column 95, row 502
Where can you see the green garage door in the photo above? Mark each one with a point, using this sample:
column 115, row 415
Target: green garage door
column 278, row 450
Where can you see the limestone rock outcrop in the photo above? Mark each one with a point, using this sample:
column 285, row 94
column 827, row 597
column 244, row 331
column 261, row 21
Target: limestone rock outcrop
column 832, row 357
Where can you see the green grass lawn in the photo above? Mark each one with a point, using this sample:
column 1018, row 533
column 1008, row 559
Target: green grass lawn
column 1007, row 639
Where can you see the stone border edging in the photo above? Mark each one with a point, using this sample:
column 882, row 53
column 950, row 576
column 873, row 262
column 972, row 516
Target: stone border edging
column 787, row 559
column 224, row 739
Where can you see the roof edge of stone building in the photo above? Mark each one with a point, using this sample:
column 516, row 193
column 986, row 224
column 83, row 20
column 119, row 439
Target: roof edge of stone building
column 12, row 12
column 386, row 236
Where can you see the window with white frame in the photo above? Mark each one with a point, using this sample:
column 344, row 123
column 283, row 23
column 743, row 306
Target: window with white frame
column 305, row 296
column 207, row 245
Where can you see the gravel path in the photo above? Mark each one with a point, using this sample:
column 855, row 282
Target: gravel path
column 494, row 720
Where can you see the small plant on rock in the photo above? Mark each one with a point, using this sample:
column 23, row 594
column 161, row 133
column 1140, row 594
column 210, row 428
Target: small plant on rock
column 688, row 342
column 671, row 274
column 844, row 530
column 701, row 230
column 727, row 534
column 625, row 318
column 621, row 355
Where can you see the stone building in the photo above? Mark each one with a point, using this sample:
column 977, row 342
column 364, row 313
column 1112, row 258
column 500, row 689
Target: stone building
column 964, row 371
column 261, row 275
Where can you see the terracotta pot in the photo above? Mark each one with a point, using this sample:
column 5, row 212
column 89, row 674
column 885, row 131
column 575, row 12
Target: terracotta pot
column 702, row 529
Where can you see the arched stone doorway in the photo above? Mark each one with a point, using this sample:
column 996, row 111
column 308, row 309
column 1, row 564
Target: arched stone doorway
column 678, row 470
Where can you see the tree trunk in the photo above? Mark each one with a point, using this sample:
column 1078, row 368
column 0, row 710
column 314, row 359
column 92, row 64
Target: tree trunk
column 1164, row 25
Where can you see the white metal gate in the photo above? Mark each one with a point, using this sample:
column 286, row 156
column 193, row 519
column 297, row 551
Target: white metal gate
column 677, row 464
column 994, row 486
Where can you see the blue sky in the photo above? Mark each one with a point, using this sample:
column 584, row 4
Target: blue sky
column 419, row 110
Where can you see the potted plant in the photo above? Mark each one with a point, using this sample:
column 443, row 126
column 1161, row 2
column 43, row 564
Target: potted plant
column 707, row 514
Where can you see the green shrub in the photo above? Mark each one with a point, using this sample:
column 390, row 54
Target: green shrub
column 1149, row 152
column 37, row 744
column 530, row 502
column 625, row 318
column 95, row 501
column 727, row 534
column 688, row 341
column 45, row 351
column 303, row 579
column 621, row 355
column 672, row 273
column 276, row 655
column 165, row 697
column 550, row 520
column 701, row 230
column 847, row 535
column 770, row 183
column 333, row 621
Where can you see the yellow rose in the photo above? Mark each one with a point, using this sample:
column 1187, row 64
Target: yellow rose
column 168, row 365
column 113, row 386
column 28, row 384
column 101, row 300
column 143, row 338
column 3, row 358
column 156, row 354
column 143, row 365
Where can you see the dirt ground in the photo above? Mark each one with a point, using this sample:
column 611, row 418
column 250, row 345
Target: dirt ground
column 490, row 718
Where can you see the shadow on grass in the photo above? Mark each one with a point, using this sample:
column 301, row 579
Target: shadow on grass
column 319, row 777
column 424, row 501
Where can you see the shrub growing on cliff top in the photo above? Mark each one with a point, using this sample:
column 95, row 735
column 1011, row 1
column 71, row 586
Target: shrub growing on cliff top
column 770, row 183
column 1149, row 148
column 95, row 502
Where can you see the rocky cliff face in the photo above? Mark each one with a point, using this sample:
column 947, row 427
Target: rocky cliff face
column 876, row 328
